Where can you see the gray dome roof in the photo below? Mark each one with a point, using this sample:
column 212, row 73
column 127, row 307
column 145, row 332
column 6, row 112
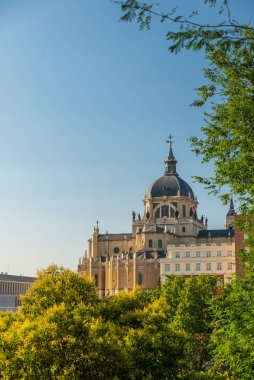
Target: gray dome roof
column 169, row 185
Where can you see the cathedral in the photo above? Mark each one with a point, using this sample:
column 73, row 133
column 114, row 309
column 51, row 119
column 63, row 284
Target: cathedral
column 169, row 238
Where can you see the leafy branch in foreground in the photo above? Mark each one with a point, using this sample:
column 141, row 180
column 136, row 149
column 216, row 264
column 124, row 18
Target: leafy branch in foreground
column 228, row 131
column 188, row 34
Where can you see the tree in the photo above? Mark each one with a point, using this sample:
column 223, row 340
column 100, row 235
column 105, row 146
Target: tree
column 228, row 127
column 124, row 309
column 192, row 313
column 56, row 285
column 58, row 333
column 64, row 331
column 156, row 352
column 62, row 344
column 171, row 291
column 186, row 32
column 171, row 339
column 188, row 310
column 233, row 330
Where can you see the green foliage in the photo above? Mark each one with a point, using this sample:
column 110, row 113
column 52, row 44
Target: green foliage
column 181, row 331
column 62, row 344
column 246, row 254
column 192, row 314
column 232, row 337
column 115, row 307
column 228, row 128
column 228, row 132
column 188, row 310
column 56, row 285
column 172, row 290
column 64, row 331
column 155, row 351
column 187, row 33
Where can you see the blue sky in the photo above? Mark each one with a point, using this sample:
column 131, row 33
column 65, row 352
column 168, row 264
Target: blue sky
column 86, row 104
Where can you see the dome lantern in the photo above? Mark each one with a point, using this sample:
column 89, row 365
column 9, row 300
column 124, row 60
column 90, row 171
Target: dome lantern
column 170, row 161
column 170, row 184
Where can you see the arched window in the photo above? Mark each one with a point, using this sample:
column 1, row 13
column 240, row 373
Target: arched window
column 164, row 211
column 172, row 212
column 150, row 243
column 96, row 279
column 159, row 243
column 157, row 214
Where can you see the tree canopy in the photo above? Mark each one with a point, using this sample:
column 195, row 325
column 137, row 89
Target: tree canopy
column 56, row 286
column 182, row 330
column 233, row 328
column 135, row 335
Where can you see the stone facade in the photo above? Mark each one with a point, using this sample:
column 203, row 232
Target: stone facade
column 169, row 224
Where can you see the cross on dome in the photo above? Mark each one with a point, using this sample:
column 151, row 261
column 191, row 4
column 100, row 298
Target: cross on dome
column 170, row 141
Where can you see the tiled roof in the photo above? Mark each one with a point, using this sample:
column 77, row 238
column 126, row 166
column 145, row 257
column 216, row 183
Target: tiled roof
column 216, row 233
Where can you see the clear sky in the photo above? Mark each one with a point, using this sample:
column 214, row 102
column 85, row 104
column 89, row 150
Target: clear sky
column 86, row 104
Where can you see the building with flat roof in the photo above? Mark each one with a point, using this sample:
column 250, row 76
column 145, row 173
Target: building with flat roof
column 11, row 287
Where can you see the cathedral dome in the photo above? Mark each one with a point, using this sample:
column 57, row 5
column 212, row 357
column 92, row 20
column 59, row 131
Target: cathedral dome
column 170, row 184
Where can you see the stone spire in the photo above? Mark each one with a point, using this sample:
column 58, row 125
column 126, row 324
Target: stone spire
column 170, row 161
column 231, row 210
column 230, row 217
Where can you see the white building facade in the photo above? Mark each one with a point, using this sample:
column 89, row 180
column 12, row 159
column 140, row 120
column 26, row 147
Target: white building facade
column 192, row 260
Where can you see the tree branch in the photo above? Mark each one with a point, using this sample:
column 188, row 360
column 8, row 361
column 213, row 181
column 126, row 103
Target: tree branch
column 143, row 7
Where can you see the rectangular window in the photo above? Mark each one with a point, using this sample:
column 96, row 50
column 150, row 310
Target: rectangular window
column 187, row 255
column 208, row 254
column 197, row 254
column 208, row 266
column 219, row 283
column 230, row 253
column 218, row 253
column 184, row 211
column 219, row 266
column 177, row 267
column 183, row 229
column 198, row 266
column 230, row 266
column 187, row 267
column 167, row 267
column 140, row 278
column 177, row 254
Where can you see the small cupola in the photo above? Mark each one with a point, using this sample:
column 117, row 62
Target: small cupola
column 170, row 161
